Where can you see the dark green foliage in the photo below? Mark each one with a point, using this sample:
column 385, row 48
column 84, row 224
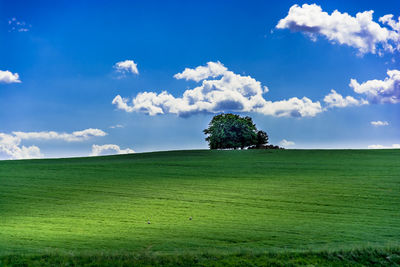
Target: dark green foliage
column 363, row 257
column 262, row 138
column 227, row 131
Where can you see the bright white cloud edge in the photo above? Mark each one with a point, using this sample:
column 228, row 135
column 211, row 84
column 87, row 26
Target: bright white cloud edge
column 379, row 123
column 10, row 144
column 221, row 90
column 126, row 66
column 109, row 149
column 380, row 91
column 75, row 136
column 9, row 77
column 334, row 99
column 360, row 32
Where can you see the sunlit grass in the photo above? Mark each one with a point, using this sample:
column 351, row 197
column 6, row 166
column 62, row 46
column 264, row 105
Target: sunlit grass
column 291, row 200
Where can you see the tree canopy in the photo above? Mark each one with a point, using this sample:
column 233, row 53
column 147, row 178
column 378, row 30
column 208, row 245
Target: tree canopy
column 227, row 131
column 262, row 138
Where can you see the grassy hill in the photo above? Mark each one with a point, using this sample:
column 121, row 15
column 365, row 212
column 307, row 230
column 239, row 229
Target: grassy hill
column 253, row 202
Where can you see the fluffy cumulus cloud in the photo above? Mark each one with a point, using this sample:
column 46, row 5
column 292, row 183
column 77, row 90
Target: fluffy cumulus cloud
column 380, row 91
column 219, row 90
column 379, row 123
column 213, row 70
column 286, row 143
column 109, row 149
column 127, row 66
column 388, row 20
column 9, row 77
column 334, row 99
column 52, row 135
column 360, row 32
column 10, row 148
column 394, row 146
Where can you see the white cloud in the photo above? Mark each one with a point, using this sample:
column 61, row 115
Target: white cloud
column 333, row 99
column 220, row 90
column 388, row 19
column 52, row 135
column 213, row 69
column 109, row 149
column 379, row 123
column 10, row 144
column 10, row 147
column 117, row 126
column 360, row 32
column 380, row 91
column 286, row 143
column 292, row 107
column 127, row 66
column 9, row 77
column 394, row 146
column 122, row 103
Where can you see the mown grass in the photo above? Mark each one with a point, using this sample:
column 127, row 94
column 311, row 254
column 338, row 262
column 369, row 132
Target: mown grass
column 282, row 202
column 366, row 257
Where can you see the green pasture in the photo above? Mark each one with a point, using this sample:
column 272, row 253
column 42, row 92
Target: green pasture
column 250, row 201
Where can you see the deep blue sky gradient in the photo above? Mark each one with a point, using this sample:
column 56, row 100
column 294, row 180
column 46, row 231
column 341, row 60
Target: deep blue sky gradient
column 65, row 62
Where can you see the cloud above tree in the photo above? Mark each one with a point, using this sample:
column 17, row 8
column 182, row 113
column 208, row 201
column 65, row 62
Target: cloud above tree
column 219, row 90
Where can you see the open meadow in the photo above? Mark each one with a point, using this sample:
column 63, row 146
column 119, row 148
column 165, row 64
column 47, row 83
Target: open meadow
column 204, row 207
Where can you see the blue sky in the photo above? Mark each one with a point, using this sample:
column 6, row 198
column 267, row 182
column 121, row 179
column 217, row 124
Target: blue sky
column 59, row 75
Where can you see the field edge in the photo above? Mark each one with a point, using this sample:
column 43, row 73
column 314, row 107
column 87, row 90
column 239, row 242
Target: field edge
column 355, row 257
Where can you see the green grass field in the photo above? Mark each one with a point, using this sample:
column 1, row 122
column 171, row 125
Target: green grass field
column 251, row 202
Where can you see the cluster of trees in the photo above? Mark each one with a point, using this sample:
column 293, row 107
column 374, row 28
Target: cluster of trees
column 227, row 131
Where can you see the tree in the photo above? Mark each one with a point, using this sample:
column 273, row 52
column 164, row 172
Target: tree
column 232, row 131
column 262, row 138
